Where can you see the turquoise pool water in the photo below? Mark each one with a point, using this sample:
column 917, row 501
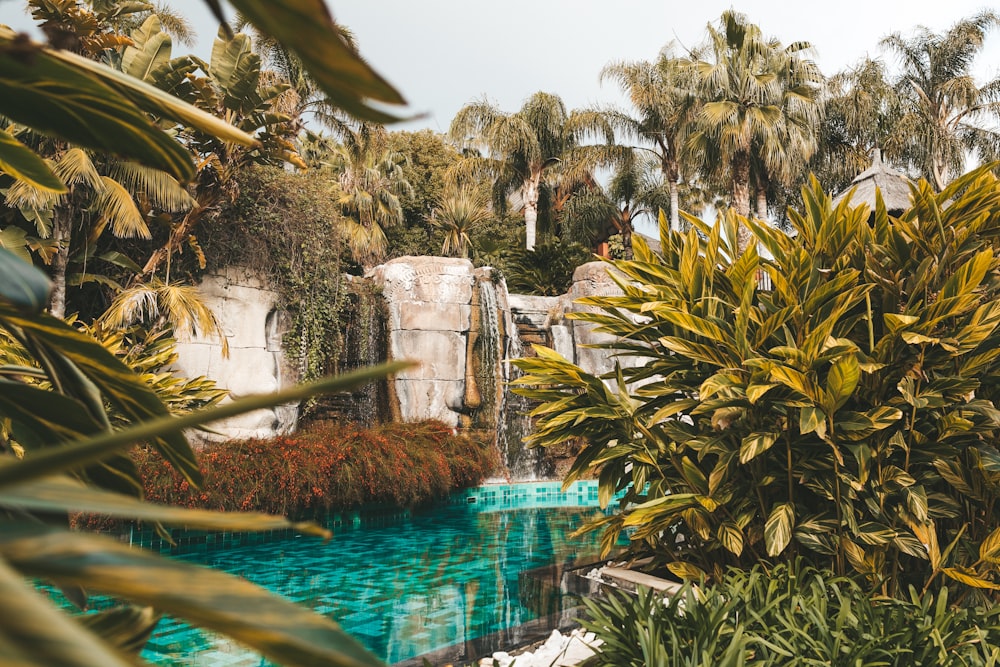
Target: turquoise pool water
column 444, row 577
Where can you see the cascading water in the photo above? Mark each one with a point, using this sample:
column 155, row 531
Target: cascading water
column 500, row 343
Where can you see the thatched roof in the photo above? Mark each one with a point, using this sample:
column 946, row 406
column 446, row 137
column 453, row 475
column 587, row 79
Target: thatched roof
column 895, row 187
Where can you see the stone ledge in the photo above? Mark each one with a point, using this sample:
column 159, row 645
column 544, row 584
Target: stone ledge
column 630, row 579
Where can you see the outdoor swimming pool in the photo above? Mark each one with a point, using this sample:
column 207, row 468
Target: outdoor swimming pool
column 446, row 576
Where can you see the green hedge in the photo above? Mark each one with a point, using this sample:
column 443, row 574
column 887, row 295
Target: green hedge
column 326, row 467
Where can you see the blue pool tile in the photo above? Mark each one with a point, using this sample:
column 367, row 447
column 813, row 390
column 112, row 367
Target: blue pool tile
column 405, row 585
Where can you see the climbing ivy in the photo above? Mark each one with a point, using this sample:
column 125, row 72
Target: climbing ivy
column 283, row 225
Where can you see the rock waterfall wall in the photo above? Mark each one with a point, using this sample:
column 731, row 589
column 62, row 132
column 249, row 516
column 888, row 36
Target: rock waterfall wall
column 456, row 321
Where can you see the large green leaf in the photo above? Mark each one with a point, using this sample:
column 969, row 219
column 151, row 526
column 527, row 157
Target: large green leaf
column 845, row 373
column 731, row 537
column 229, row 57
column 970, row 577
column 53, row 96
column 756, row 444
column 306, row 27
column 74, row 455
column 150, row 50
column 21, row 163
column 778, row 529
column 252, row 615
column 62, row 494
column 34, row 632
column 21, row 284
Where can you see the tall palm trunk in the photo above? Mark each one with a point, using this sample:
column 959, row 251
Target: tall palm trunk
column 939, row 170
column 626, row 232
column 62, row 227
column 671, row 171
column 762, row 203
column 529, row 194
column 740, row 193
column 675, row 204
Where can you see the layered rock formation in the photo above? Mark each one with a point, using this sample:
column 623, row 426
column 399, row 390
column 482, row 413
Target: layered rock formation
column 458, row 322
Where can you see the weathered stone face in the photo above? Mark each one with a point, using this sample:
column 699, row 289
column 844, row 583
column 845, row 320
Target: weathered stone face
column 593, row 279
column 256, row 364
column 429, row 301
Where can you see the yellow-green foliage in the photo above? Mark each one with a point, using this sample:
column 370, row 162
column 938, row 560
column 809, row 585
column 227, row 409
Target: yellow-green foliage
column 837, row 400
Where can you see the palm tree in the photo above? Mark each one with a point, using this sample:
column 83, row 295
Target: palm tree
column 637, row 188
column 520, row 150
column 862, row 113
column 759, row 106
column 119, row 199
column 661, row 93
column 370, row 180
column 946, row 112
column 460, row 210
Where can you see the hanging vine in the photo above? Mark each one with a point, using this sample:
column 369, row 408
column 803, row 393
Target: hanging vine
column 283, row 224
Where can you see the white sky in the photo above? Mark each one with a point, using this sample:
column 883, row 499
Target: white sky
column 442, row 54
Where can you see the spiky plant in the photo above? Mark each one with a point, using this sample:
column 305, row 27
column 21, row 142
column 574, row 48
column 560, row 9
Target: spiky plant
column 845, row 409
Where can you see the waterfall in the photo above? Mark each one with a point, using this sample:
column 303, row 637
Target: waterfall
column 500, row 343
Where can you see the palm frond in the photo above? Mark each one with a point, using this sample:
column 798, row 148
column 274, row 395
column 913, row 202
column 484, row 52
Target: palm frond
column 162, row 189
column 24, row 195
column 75, row 168
column 116, row 207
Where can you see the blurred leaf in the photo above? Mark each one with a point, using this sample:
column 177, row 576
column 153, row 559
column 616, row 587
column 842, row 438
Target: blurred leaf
column 62, row 494
column 252, row 615
column 21, row 284
column 35, row 632
column 74, row 455
column 23, row 164
column 80, row 361
column 54, row 94
column 126, row 628
column 308, row 30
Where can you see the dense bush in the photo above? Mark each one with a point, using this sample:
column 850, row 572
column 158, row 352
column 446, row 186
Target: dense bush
column 547, row 269
column 284, row 225
column 836, row 398
column 791, row 615
column 326, row 467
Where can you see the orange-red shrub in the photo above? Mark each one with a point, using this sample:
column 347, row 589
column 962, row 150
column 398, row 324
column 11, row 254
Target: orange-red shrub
column 326, row 466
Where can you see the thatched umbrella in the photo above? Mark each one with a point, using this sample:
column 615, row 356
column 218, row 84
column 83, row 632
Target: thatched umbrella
column 895, row 187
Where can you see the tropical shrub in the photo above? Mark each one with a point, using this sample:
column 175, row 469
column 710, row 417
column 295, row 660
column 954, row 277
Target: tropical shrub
column 545, row 270
column 837, row 400
column 324, row 467
column 790, row 615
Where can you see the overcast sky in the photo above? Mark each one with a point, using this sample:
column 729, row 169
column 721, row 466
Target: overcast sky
column 442, row 54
